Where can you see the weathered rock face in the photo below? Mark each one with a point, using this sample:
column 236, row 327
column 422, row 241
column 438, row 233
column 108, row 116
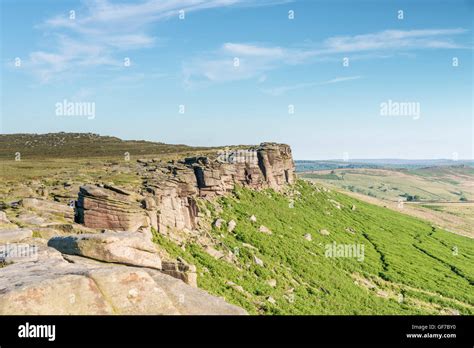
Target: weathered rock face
column 276, row 162
column 175, row 187
column 180, row 270
column 269, row 165
column 170, row 190
column 51, row 285
column 133, row 249
column 124, row 247
column 108, row 208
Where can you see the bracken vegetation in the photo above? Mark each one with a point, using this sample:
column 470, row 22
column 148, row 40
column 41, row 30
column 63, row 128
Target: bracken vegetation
column 409, row 266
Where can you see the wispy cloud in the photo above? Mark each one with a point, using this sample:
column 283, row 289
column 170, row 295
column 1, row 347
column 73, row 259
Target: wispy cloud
column 252, row 50
column 277, row 91
column 257, row 59
column 394, row 40
column 102, row 29
column 103, row 33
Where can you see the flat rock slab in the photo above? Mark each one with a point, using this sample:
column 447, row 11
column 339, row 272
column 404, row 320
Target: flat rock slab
column 13, row 235
column 117, row 247
column 48, row 206
column 79, row 286
column 27, row 251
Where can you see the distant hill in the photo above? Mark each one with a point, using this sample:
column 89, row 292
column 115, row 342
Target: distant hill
column 306, row 166
column 79, row 145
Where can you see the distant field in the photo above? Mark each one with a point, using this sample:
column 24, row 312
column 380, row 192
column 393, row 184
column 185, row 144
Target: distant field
column 436, row 184
column 443, row 195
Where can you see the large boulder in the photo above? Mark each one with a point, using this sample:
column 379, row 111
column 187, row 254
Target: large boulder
column 54, row 286
column 119, row 247
column 109, row 208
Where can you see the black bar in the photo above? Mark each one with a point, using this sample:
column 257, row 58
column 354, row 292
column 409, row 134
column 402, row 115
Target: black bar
column 259, row 330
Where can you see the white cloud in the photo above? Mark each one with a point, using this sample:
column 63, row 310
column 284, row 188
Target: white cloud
column 102, row 29
column 252, row 50
column 277, row 91
column 393, row 39
column 257, row 59
column 341, row 79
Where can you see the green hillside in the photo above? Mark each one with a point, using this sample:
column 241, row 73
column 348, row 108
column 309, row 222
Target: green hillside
column 408, row 266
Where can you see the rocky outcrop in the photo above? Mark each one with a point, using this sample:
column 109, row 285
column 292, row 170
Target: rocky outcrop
column 176, row 186
column 109, row 208
column 269, row 165
column 110, row 265
column 168, row 201
column 52, row 285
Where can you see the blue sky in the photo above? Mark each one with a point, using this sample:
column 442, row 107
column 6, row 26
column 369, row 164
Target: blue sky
column 282, row 62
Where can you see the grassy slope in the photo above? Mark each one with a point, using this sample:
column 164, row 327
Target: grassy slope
column 403, row 255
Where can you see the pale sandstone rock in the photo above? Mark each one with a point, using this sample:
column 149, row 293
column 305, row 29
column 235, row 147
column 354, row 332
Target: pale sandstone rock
column 231, row 225
column 264, row 229
column 132, row 292
column 219, row 222
column 123, row 247
column 235, row 286
column 272, row 282
column 54, row 286
column 217, row 254
column 258, row 261
column 30, row 218
column 43, row 205
column 3, row 217
column 28, row 250
column 250, row 246
column 12, row 235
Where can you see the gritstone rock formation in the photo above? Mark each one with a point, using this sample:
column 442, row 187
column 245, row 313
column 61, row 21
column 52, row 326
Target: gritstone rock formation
column 120, row 271
column 168, row 199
